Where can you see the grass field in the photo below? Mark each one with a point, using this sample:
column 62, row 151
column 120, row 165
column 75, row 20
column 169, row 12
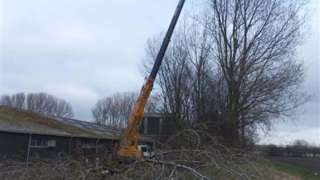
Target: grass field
column 295, row 170
column 267, row 169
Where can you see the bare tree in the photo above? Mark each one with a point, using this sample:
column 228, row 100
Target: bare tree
column 16, row 100
column 199, row 49
column 173, row 78
column 38, row 102
column 254, row 46
column 115, row 110
column 190, row 84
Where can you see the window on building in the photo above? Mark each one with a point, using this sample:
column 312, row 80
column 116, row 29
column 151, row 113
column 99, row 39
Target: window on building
column 42, row 143
column 87, row 144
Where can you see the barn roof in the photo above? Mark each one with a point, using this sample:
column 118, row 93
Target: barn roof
column 90, row 126
column 17, row 121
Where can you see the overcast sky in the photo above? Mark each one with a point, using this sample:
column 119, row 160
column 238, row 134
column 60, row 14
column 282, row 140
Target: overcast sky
column 82, row 50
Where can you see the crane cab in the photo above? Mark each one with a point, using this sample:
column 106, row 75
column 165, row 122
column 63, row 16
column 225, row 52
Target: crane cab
column 147, row 151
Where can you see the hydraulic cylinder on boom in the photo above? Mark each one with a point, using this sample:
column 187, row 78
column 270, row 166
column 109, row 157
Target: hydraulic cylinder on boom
column 128, row 146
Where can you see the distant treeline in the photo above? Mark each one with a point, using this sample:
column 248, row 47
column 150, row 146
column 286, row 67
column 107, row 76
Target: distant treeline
column 297, row 149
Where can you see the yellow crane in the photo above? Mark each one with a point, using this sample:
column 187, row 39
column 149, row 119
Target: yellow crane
column 128, row 146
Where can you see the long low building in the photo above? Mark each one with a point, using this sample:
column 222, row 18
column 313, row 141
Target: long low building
column 26, row 135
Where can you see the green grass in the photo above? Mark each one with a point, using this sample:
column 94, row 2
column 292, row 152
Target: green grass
column 295, row 170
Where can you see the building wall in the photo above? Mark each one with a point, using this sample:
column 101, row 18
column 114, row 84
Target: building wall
column 157, row 126
column 15, row 146
column 62, row 146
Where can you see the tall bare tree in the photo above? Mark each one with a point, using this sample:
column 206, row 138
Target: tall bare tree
column 197, row 41
column 173, row 77
column 254, row 45
column 38, row 102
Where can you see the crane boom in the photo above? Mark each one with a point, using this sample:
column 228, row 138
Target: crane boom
column 129, row 140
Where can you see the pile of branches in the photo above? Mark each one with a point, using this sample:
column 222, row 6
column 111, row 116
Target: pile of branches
column 49, row 170
column 196, row 155
column 188, row 155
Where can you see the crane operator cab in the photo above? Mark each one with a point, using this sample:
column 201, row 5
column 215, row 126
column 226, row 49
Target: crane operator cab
column 147, row 151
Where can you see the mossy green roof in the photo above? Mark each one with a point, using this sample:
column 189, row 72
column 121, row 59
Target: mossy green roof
column 17, row 121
